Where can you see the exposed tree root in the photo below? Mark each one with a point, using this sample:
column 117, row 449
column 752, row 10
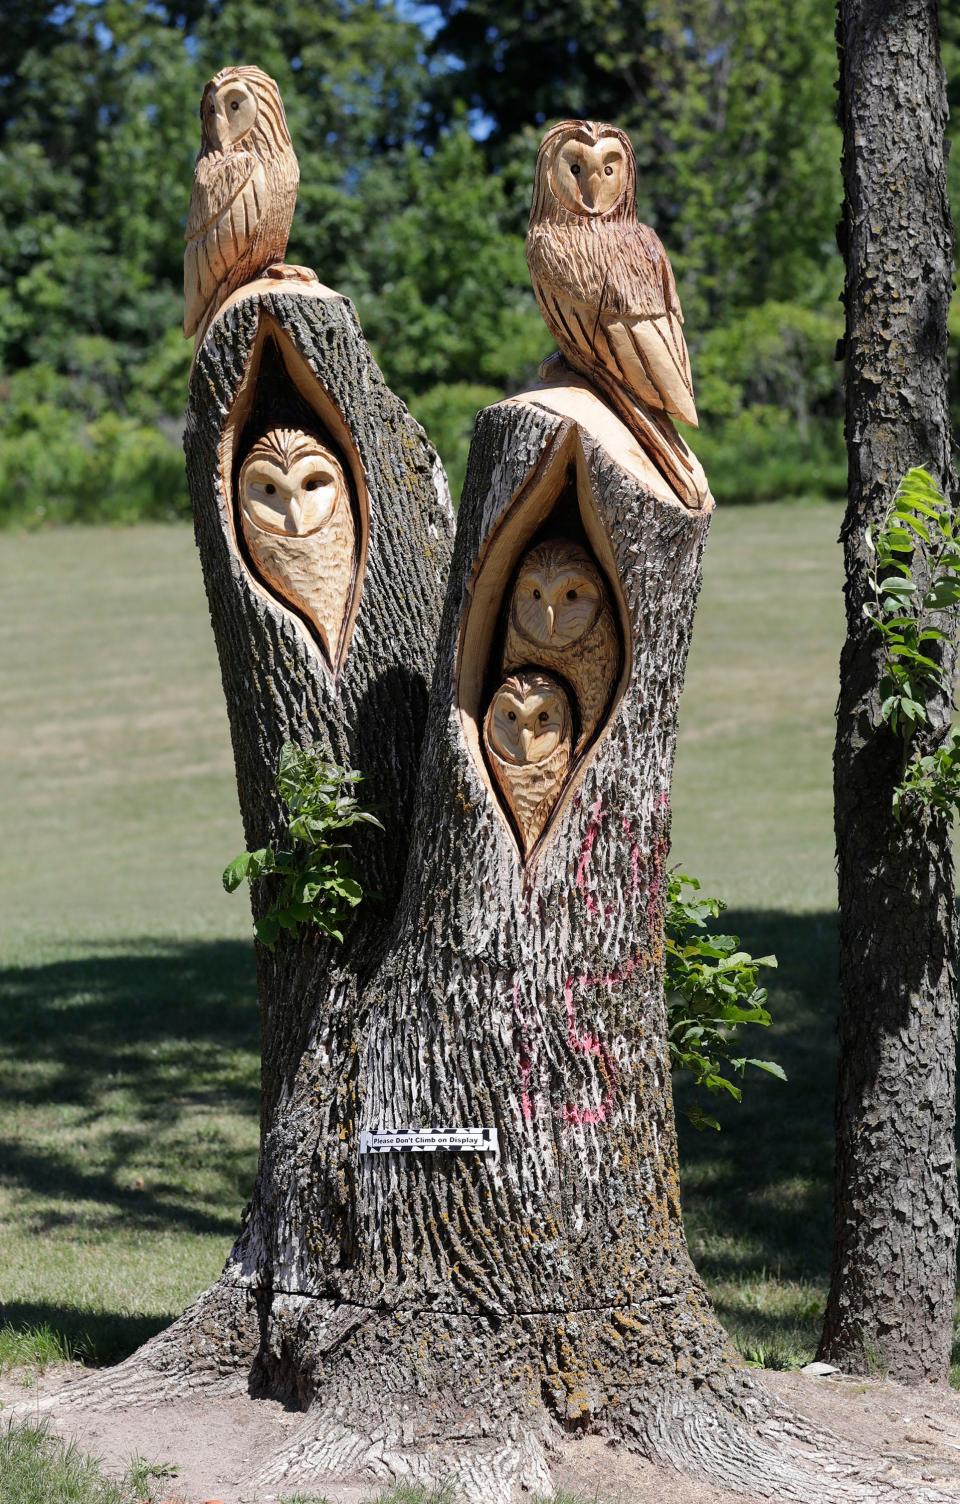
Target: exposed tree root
column 209, row 1349
column 746, row 1441
column 480, row 1405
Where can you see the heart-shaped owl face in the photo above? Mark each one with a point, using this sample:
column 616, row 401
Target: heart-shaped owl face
column 558, row 595
column 291, row 484
column 228, row 111
column 589, row 176
column 528, row 718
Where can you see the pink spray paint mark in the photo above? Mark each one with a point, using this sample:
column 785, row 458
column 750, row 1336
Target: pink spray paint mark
column 588, row 1044
column 586, row 850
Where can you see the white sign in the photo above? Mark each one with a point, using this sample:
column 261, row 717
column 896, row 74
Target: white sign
column 428, row 1140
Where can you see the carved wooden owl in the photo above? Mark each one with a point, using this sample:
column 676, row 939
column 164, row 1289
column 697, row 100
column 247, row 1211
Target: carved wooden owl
column 606, row 289
column 560, row 619
column 298, row 524
column 244, row 192
column 527, row 734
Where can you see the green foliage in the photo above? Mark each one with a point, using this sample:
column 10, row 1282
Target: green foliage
column 416, row 146
column 711, row 993
column 316, row 885
column 448, row 414
column 906, row 616
column 911, row 675
column 35, row 1347
column 37, row 1468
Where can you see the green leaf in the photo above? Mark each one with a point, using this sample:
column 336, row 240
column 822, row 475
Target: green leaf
column 771, row 1067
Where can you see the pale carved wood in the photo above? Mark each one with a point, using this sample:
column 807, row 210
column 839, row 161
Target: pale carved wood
column 607, row 293
column 559, row 618
column 527, row 734
column 298, row 524
column 244, row 194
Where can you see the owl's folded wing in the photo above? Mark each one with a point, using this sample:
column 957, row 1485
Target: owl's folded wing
column 651, row 358
column 225, row 209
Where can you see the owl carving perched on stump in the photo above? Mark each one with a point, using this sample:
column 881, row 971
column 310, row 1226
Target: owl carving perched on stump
column 606, row 291
column 244, row 194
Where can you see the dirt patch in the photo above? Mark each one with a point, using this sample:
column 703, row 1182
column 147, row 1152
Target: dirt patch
column 217, row 1445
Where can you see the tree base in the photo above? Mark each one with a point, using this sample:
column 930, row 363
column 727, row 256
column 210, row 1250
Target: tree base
column 482, row 1406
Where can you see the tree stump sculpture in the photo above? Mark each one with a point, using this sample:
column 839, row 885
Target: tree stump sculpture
column 465, row 1238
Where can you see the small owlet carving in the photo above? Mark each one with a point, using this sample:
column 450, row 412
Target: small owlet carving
column 298, row 524
column 560, row 619
column 527, row 736
column 244, row 193
column 606, row 289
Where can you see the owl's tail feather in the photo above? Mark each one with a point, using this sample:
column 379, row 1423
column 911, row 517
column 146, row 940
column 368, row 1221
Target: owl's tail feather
column 653, row 431
column 660, row 441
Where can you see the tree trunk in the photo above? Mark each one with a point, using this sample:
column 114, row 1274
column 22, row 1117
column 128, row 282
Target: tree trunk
column 892, row 1288
column 451, row 1315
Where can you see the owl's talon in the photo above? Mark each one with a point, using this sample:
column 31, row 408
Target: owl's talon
column 554, row 368
column 283, row 271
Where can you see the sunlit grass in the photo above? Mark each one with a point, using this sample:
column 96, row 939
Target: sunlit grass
column 128, row 1052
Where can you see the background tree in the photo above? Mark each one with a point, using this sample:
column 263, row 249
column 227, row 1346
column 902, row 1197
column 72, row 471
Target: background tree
column 411, row 139
column 894, row 1262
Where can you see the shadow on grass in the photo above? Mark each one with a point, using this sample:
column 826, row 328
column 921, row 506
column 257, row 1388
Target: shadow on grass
column 173, row 1027
column 144, row 1055
column 757, row 1195
column 96, row 1337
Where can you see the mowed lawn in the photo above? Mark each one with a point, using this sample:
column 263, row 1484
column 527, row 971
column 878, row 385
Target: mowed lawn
column 128, row 1047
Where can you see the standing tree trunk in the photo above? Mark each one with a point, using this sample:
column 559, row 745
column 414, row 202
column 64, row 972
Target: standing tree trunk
column 451, row 1316
column 893, row 1279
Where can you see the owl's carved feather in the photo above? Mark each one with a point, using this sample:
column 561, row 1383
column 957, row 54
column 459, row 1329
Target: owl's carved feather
column 590, row 663
column 311, row 570
column 530, row 788
column 242, row 203
column 607, row 293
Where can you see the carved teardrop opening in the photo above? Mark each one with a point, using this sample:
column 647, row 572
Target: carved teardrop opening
column 298, row 503
column 544, row 649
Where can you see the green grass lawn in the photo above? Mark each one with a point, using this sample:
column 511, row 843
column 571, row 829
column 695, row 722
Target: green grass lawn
column 128, row 1064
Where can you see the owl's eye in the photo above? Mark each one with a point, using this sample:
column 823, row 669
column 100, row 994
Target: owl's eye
column 511, row 715
column 543, row 716
column 571, row 595
column 270, row 488
column 575, row 169
column 234, row 104
column 315, row 481
column 536, row 595
column 608, row 171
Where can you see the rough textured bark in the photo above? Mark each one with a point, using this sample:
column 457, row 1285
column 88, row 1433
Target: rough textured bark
column 279, row 687
column 893, row 1278
column 450, row 1317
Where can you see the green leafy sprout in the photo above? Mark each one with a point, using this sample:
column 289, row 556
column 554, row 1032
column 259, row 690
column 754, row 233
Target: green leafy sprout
column 314, row 882
column 712, row 992
column 912, row 674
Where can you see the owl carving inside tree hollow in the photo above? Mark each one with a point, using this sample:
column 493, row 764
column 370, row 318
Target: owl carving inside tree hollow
column 559, row 618
column 244, row 194
column 298, row 526
column 527, row 735
column 606, row 290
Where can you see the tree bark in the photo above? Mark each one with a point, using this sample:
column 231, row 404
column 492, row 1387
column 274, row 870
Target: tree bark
column 891, row 1298
column 451, row 1316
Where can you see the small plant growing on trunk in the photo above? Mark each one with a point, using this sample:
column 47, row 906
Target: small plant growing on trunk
column 712, row 992
column 315, row 885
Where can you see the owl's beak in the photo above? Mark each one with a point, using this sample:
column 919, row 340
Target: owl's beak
column 589, row 190
column 526, row 737
column 294, row 514
column 551, row 620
